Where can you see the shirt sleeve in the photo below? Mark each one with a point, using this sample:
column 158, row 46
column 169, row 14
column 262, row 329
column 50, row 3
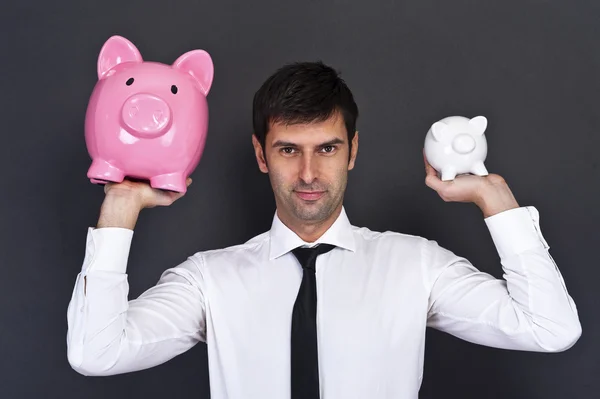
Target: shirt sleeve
column 109, row 334
column 529, row 309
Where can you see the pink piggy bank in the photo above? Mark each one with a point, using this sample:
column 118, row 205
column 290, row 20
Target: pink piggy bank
column 147, row 120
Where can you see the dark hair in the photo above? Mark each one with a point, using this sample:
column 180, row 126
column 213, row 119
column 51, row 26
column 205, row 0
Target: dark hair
column 303, row 92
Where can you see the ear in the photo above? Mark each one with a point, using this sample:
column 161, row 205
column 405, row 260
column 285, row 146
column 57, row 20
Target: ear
column 260, row 155
column 197, row 63
column 354, row 151
column 116, row 50
column 438, row 130
column 478, row 124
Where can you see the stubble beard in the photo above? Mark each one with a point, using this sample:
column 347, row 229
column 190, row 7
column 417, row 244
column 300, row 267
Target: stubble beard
column 312, row 211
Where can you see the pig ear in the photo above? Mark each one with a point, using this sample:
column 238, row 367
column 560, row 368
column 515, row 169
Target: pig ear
column 197, row 63
column 115, row 51
column 438, row 130
column 479, row 124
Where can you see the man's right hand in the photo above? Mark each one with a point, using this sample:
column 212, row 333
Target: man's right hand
column 124, row 201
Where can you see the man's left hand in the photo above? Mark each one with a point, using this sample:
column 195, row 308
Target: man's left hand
column 490, row 193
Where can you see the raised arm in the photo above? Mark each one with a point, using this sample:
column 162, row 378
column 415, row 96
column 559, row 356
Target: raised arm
column 109, row 334
column 530, row 309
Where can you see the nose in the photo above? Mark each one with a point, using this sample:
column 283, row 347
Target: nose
column 463, row 143
column 307, row 168
column 146, row 115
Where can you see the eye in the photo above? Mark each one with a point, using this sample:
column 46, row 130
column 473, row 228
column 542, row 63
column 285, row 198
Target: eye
column 287, row 150
column 129, row 82
column 174, row 89
column 329, row 148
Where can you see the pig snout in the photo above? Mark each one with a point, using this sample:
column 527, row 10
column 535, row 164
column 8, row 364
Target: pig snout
column 146, row 115
column 463, row 143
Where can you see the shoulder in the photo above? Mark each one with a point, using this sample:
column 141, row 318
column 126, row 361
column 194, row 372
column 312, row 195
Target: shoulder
column 388, row 237
column 250, row 248
column 427, row 250
column 426, row 254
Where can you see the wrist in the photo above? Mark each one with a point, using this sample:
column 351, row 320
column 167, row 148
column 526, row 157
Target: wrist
column 496, row 198
column 119, row 211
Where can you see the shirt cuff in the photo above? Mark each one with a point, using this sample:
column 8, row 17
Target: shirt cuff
column 516, row 230
column 107, row 249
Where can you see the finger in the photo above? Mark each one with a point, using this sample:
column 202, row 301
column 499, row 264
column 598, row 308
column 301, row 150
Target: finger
column 431, row 177
column 173, row 196
column 429, row 170
column 107, row 187
column 434, row 182
column 166, row 199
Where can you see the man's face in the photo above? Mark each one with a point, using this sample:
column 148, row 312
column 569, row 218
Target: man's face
column 308, row 167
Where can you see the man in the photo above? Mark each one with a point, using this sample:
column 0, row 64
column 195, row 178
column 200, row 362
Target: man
column 344, row 320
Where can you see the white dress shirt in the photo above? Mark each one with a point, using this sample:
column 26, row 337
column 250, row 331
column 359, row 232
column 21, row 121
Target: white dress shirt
column 377, row 292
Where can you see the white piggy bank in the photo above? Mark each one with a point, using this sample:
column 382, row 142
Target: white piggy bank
column 456, row 145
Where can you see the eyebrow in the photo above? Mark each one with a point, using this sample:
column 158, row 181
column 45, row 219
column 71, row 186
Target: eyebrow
column 281, row 143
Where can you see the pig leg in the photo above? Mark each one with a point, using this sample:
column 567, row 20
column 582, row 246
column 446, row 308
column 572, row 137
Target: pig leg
column 170, row 181
column 101, row 172
column 448, row 173
column 479, row 169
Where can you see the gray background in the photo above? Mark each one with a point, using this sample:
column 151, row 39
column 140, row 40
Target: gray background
column 529, row 66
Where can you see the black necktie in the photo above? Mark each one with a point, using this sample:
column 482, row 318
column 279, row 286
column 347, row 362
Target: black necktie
column 304, row 355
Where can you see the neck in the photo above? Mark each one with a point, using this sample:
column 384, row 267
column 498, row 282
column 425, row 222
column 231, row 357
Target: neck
column 310, row 231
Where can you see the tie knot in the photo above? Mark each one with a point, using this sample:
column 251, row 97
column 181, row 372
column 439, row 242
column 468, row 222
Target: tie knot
column 307, row 256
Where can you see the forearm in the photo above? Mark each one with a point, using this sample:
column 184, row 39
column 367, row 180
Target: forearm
column 530, row 309
column 537, row 288
column 109, row 334
column 99, row 298
column 96, row 322
column 533, row 279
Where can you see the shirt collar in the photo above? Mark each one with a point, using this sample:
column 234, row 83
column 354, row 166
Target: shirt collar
column 283, row 240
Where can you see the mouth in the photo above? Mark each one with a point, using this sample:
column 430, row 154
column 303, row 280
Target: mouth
column 310, row 195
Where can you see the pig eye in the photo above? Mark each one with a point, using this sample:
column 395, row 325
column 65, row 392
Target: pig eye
column 129, row 82
column 174, row 89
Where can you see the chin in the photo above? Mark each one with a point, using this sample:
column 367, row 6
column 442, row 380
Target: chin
column 313, row 212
